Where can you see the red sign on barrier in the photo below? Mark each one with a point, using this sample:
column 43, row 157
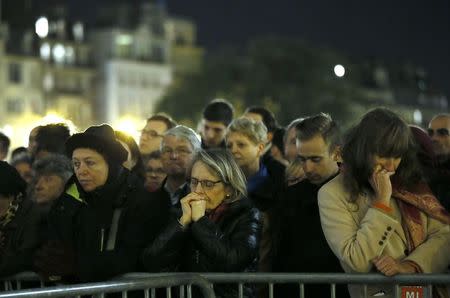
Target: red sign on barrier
column 412, row 292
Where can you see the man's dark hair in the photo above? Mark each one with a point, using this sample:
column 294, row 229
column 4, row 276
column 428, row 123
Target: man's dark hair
column 321, row 124
column 4, row 142
column 278, row 139
column 163, row 118
column 52, row 138
column 219, row 110
column 268, row 117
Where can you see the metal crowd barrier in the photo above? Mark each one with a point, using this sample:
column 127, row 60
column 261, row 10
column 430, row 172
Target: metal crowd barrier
column 148, row 284
column 206, row 282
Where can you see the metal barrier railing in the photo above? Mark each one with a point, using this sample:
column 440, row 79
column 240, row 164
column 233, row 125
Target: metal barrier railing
column 207, row 280
column 148, row 284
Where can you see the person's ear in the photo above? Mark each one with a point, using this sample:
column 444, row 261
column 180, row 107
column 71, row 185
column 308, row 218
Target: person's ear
column 261, row 147
column 336, row 154
column 269, row 137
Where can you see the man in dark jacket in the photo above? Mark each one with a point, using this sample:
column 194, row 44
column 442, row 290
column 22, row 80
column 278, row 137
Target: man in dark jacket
column 19, row 223
column 104, row 219
column 439, row 132
column 302, row 246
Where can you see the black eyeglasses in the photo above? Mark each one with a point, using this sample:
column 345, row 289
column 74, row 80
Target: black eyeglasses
column 206, row 184
column 151, row 133
column 442, row 132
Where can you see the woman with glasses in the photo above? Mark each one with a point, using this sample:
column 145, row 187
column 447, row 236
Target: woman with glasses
column 219, row 228
column 379, row 215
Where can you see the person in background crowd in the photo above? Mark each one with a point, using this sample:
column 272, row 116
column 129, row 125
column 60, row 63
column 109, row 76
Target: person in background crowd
column 103, row 220
column 23, row 164
column 152, row 134
column 32, row 145
column 19, row 235
column 304, row 248
column 219, row 228
column 294, row 170
column 134, row 161
column 4, row 146
column 18, row 151
column 154, row 171
column 378, row 214
column 246, row 140
column 277, row 148
column 216, row 116
column 51, row 174
column 50, row 139
column 439, row 132
column 268, row 119
column 178, row 146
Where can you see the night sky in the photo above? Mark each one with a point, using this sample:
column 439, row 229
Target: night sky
column 393, row 30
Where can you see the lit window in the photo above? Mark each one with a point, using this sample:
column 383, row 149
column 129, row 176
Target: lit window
column 45, row 51
column 59, row 53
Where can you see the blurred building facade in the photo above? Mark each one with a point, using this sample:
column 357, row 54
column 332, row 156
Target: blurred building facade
column 120, row 66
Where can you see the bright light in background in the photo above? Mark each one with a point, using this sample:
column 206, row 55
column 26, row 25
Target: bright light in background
column 417, row 116
column 45, row 51
column 130, row 125
column 41, row 27
column 339, row 70
column 59, row 52
column 124, row 39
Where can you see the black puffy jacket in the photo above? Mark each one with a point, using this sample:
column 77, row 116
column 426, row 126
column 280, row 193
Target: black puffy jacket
column 230, row 245
column 82, row 222
column 21, row 239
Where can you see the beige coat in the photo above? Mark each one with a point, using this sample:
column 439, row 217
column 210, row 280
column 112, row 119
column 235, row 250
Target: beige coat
column 357, row 233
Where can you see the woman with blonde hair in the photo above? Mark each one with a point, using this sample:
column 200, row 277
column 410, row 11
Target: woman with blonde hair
column 219, row 228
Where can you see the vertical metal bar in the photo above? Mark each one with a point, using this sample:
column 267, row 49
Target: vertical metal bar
column 146, row 293
column 153, row 291
column 189, row 291
column 182, row 291
column 168, row 292
column 42, row 284
column 333, row 290
column 124, row 294
column 241, row 290
column 430, row 291
column 397, row 291
column 365, row 290
column 19, row 285
column 302, row 290
column 270, row 290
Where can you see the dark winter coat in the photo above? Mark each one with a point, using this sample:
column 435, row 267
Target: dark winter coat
column 230, row 245
column 82, row 221
column 301, row 246
column 21, row 239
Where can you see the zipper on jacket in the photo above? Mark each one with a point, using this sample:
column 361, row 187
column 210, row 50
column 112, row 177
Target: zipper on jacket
column 197, row 256
column 102, row 238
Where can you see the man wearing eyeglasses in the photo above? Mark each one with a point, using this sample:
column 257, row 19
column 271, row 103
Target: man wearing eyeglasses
column 178, row 147
column 152, row 134
column 438, row 130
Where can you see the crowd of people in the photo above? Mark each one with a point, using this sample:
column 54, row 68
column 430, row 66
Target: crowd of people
column 237, row 194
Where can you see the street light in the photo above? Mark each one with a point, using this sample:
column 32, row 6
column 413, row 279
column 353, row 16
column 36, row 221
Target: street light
column 41, row 27
column 339, row 70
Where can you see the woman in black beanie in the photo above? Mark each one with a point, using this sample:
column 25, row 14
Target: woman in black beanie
column 19, row 226
column 100, row 224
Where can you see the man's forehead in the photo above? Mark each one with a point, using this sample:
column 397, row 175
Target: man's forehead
column 214, row 124
column 174, row 141
column 156, row 125
column 440, row 122
column 313, row 146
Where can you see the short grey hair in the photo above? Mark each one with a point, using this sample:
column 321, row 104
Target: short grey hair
column 222, row 163
column 291, row 125
column 256, row 131
column 186, row 133
column 54, row 164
